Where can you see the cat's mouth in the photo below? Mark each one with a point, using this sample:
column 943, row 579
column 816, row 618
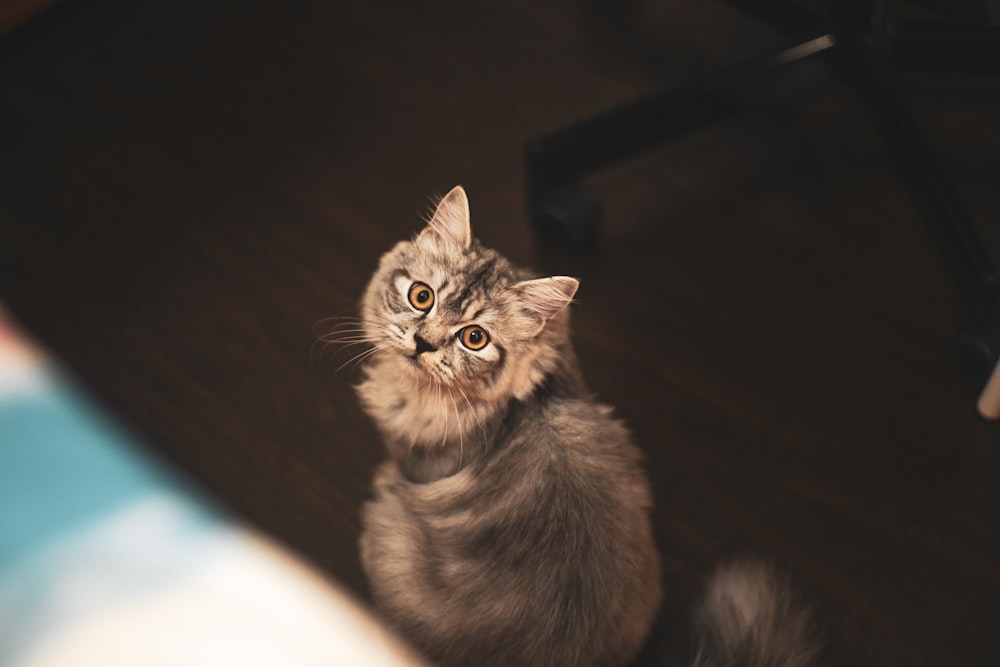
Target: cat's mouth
column 420, row 346
column 415, row 359
column 424, row 369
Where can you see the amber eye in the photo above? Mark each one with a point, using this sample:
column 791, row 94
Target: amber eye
column 421, row 296
column 474, row 337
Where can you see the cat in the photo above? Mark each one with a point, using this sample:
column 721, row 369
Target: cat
column 510, row 524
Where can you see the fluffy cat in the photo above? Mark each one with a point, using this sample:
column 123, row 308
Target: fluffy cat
column 510, row 524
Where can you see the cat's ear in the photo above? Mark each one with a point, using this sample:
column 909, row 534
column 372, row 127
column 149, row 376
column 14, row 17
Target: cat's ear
column 544, row 298
column 449, row 226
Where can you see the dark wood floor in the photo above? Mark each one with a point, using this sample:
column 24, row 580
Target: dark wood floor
column 186, row 192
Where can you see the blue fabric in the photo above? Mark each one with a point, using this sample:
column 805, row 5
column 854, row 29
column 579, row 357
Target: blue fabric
column 88, row 519
column 62, row 464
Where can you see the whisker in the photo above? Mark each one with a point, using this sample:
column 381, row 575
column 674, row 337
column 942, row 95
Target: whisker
column 354, row 326
column 359, row 325
column 342, row 343
column 444, row 438
column 482, row 428
column 353, row 338
column 350, row 331
column 324, row 320
column 346, row 327
column 362, row 356
column 461, row 435
column 341, row 348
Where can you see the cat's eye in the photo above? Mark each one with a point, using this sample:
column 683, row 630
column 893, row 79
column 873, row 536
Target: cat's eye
column 421, row 296
column 474, row 337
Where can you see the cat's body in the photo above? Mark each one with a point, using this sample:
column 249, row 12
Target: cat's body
column 537, row 552
column 510, row 524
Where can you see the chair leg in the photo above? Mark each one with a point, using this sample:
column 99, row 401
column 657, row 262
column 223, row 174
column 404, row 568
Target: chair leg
column 556, row 162
column 942, row 211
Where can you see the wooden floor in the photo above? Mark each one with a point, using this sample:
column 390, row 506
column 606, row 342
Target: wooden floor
column 185, row 193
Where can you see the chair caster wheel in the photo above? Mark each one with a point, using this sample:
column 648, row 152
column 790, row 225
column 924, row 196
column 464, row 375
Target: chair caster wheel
column 568, row 218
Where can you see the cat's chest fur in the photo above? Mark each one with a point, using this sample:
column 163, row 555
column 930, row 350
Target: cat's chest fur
column 415, row 414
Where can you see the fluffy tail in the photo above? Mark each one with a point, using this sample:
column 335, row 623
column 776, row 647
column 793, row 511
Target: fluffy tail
column 751, row 617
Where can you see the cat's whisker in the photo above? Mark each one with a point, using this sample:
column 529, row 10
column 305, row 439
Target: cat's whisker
column 324, row 320
column 475, row 416
column 336, row 331
column 347, row 333
column 369, row 354
column 340, row 334
column 340, row 344
column 461, row 435
column 444, row 438
column 338, row 350
column 335, row 335
column 353, row 326
column 346, row 325
column 361, row 357
column 353, row 338
column 325, row 346
column 342, row 321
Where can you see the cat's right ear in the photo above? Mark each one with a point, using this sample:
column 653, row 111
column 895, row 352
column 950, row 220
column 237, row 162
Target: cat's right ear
column 542, row 299
column 450, row 225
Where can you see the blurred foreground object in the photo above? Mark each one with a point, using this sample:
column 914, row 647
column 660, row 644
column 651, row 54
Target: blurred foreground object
column 107, row 558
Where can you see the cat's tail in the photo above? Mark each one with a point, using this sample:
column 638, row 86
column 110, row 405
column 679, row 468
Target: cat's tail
column 750, row 616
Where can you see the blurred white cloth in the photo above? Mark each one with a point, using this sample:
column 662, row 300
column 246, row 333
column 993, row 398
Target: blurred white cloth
column 108, row 559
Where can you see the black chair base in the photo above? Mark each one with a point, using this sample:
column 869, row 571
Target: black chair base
column 859, row 38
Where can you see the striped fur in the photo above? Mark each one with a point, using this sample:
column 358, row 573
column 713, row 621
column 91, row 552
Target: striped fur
column 510, row 524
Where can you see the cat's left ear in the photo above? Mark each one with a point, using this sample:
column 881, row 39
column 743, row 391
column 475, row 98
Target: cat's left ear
column 544, row 298
column 449, row 226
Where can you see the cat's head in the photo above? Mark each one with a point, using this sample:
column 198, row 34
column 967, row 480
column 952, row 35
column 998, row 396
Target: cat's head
column 453, row 313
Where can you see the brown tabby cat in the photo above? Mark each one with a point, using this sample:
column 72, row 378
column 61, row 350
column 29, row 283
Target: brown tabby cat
column 510, row 524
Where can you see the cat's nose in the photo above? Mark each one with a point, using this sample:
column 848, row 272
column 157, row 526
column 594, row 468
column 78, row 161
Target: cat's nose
column 422, row 344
